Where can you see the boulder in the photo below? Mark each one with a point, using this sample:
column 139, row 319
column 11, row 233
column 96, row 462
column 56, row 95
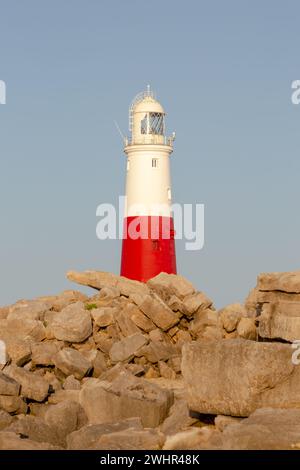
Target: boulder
column 65, row 417
column 89, row 435
column 231, row 315
column 34, row 428
column 8, row 386
column 72, row 324
column 12, row 404
column 247, row 329
column 71, row 383
column 33, row 386
column 166, row 285
column 157, row 351
column 194, row 302
column 28, row 310
column 284, row 282
column 43, row 353
column 72, row 362
column 11, row 441
column 235, row 377
column 127, row 348
column 131, row 439
column 280, row 320
column 104, row 316
column 125, row 397
column 158, row 312
column 19, row 350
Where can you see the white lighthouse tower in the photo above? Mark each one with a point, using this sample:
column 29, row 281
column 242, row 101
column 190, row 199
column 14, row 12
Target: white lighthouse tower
column 148, row 240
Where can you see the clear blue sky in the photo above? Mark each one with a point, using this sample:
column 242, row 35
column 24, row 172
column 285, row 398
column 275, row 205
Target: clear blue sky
column 222, row 70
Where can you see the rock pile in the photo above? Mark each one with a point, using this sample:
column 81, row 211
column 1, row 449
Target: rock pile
column 150, row 366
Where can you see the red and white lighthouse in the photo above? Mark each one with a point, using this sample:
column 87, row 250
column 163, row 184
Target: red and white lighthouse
column 148, row 237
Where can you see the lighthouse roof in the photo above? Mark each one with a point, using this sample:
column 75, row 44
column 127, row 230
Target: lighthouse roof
column 148, row 105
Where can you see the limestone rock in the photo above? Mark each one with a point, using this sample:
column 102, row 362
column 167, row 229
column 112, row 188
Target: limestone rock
column 33, row 428
column 72, row 324
column 125, row 349
column 12, row 404
column 280, row 320
column 178, row 419
column 131, row 439
column 19, row 350
column 8, row 386
column 11, row 441
column 166, row 285
column 194, row 302
column 29, row 310
column 125, row 397
column 71, row 383
column 43, row 353
column 158, row 312
column 157, row 351
column 65, row 417
column 32, row 386
column 235, row 377
column 284, row 282
column 247, row 328
column 5, row 419
column 104, row 316
column 72, row 362
column 88, row 436
column 231, row 315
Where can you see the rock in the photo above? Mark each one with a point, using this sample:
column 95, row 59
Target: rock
column 5, row 419
column 11, row 441
column 178, row 419
column 43, row 353
column 158, row 312
column 194, row 302
column 140, row 320
column 72, row 362
column 247, row 329
column 25, row 329
column 151, row 373
column 231, row 315
column 201, row 321
column 190, row 439
column 158, row 351
column 104, row 316
column 19, row 350
column 72, row 324
column 125, row 397
column 65, row 417
column 66, row 298
column 221, row 421
column 284, row 282
column 100, row 279
column 166, row 371
column 280, row 320
column 127, row 348
column 130, row 439
column 8, row 386
column 12, row 404
column 71, row 383
column 64, row 395
column 99, row 364
column 32, row 386
column 88, row 436
column 33, row 428
column 166, row 285
column 235, row 377
column 125, row 323
column 265, row 429
column 29, row 310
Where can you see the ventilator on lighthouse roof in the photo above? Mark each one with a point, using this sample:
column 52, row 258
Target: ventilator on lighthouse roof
column 147, row 119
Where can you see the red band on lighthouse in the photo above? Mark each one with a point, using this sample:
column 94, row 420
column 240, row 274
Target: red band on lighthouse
column 148, row 247
column 148, row 238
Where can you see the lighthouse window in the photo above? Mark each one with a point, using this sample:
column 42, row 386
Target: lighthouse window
column 156, row 123
column 154, row 162
column 144, row 125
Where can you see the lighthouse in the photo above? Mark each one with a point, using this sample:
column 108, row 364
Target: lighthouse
column 148, row 245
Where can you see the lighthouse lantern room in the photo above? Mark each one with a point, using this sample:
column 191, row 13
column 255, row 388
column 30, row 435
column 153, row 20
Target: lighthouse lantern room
column 148, row 246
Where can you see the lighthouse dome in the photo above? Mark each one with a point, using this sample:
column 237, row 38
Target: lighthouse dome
column 146, row 119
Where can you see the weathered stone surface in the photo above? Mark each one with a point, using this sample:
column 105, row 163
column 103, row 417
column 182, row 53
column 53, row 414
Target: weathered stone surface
column 140, row 320
column 203, row 320
column 72, row 362
column 178, row 419
column 190, row 439
column 158, row 312
column 5, row 419
column 72, row 324
column 12, row 404
column 166, row 371
column 231, row 315
column 43, row 353
column 32, row 386
column 89, row 435
column 64, row 395
column 247, row 329
column 19, row 350
column 280, row 320
column 194, row 302
column 126, row 349
column 222, row 421
column 131, row 439
column 34, row 428
column 100, row 279
column 158, row 351
column 66, row 298
column 125, row 397
column 104, row 316
column 8, row 386
column 22, row 329
column 125, row 323
column 65, row 417
column 11, row 441
column 29, row 310
column 284, row 282
column 235, row 377
column 71, row 383
column 166, row 285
